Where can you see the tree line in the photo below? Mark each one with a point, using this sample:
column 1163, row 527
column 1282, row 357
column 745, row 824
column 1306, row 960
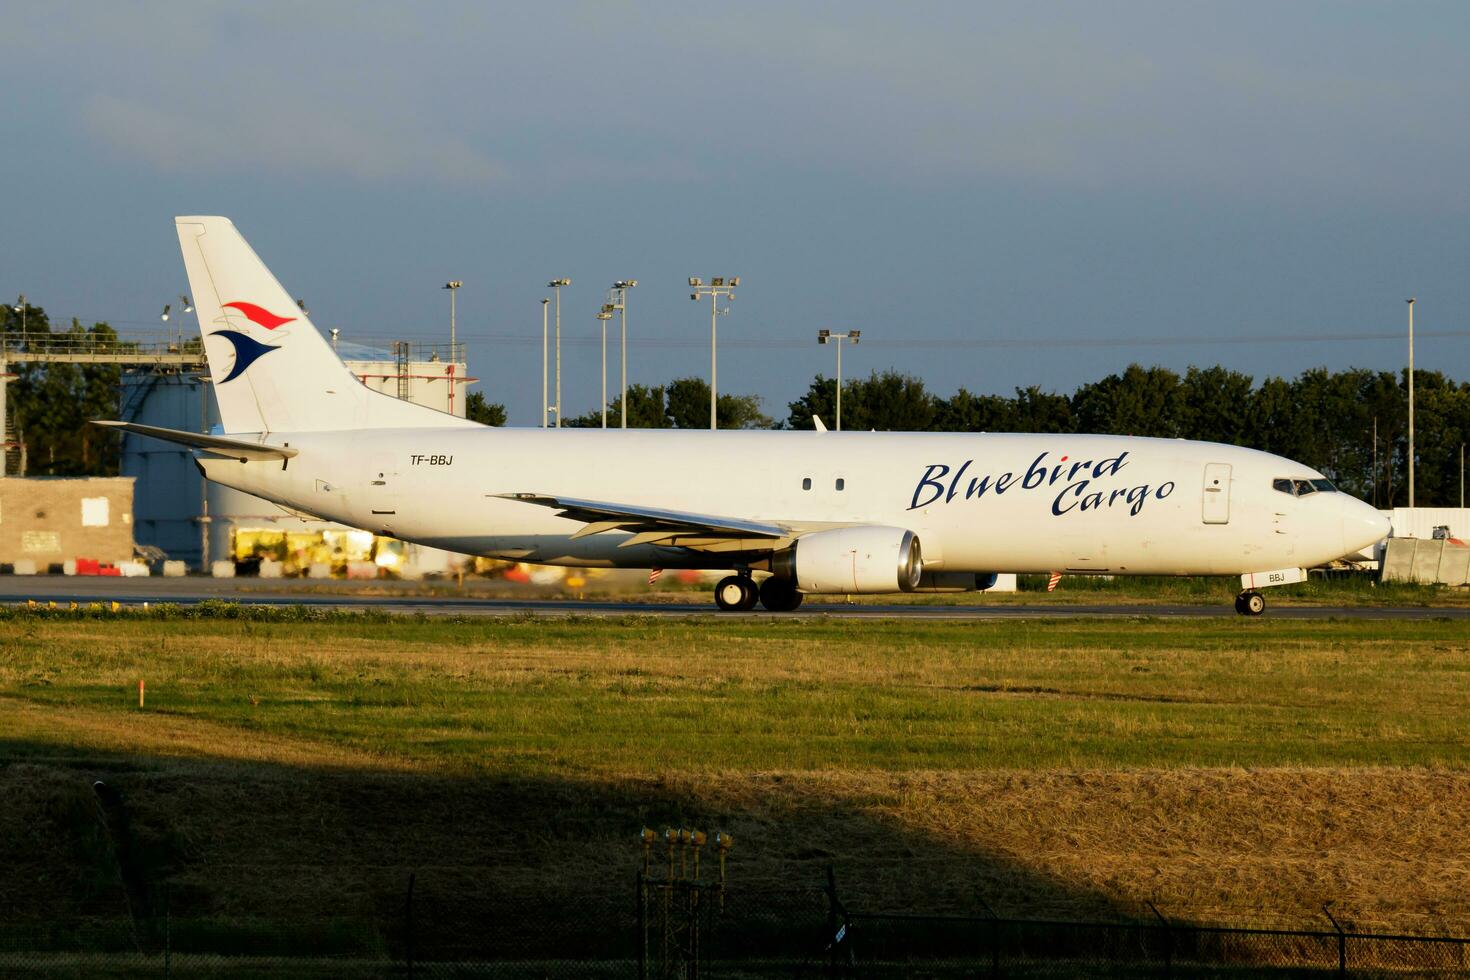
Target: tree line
column 1352, row 425
column 49, row 405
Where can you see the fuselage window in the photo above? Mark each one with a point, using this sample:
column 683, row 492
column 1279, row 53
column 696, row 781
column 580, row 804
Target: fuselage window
column 1284, row 486
column 841, row 483
column 1304, row 487
column 1324, row 485
column 806, row 483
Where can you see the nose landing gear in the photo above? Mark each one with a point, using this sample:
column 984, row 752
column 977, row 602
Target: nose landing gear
column 1250, row 603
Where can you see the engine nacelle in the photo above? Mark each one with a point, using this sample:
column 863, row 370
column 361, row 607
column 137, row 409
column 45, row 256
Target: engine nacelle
column 853, row 561
column 956, row 581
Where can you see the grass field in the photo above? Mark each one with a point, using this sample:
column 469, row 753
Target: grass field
column 1223, row 769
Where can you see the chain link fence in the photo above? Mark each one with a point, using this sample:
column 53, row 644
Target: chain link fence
column 657, row 929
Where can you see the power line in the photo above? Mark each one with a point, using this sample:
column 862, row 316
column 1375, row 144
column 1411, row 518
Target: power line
column 919, row 343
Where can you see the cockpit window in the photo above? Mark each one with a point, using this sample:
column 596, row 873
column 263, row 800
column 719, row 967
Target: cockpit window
column 1300, row 488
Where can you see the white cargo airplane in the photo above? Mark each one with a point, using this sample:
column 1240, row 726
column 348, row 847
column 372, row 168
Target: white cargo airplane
column 820, row 512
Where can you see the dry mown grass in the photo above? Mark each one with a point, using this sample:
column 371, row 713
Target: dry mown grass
column 1244, row 771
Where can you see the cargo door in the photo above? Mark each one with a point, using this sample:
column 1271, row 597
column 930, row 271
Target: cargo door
column 1217, row 493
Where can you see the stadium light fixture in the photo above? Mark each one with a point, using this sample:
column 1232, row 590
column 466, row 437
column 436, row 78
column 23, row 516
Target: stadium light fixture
column 827, row 336
column 718, row 287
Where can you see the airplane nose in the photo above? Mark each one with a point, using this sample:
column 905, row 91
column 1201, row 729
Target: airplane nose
column 1362, row 527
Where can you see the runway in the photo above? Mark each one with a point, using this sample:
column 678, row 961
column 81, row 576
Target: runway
column 373, row 596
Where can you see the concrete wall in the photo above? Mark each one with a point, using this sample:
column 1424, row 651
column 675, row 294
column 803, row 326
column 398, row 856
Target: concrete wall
column 49, row 520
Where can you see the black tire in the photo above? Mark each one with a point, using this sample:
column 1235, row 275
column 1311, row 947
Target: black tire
column 780, row 595
column 1255, row 603
column 731, row 593
column 1240, row 605
column 752, row 595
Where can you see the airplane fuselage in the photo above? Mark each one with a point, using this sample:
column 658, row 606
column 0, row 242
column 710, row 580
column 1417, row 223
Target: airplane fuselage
column 977, row 502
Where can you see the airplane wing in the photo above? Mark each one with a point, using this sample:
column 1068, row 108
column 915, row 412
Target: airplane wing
column 649, row 525
column 240, row 449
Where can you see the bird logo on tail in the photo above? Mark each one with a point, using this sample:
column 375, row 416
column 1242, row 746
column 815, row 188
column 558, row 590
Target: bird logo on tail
column 248, row 350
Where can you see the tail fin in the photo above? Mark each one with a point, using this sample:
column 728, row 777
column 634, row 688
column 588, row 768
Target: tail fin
column 272, row 370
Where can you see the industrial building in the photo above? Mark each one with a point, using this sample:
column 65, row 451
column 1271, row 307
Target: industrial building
column 200, row 523
column 47, row 523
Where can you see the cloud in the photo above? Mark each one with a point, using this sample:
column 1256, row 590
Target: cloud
column 284, row 136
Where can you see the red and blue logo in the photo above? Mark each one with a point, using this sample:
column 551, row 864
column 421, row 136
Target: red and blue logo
column 248, row 350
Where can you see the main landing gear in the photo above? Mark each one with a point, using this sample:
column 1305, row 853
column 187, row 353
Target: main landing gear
column 1250, row 603
column 739, row 593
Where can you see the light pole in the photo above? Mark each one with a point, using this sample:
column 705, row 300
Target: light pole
column 718, row 286
column 556, row 285
column 1411, row 401
column 621, row 287
column 544, row 304
column 828, row 337
column 604, row 315
column 453, row 287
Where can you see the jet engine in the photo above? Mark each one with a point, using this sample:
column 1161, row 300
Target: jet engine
column 853, row 561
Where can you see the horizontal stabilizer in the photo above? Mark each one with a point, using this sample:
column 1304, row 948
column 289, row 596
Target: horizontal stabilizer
column 218, row 445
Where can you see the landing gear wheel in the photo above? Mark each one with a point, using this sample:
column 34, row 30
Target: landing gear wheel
column 1250, row 603
column 779, row 595
column 735, row 593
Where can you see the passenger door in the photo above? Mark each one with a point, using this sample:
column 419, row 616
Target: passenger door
column 1216, row 506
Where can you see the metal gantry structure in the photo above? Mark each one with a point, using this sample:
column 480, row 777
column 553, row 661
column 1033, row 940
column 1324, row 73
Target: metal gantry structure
column 52, row 348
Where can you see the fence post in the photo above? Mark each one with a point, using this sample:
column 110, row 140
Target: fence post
column 1168, row 942
column 994, row 935
column 1341, row 941
column 408, row 924
column 642, row 926
column 836, row 933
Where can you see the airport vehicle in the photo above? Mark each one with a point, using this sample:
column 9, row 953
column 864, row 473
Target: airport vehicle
column 817, row 512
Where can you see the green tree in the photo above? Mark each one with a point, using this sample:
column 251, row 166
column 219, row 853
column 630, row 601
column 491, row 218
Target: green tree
column 1043, row 411
column 51, row 404
column 1139, row 402
column 687, row 407
column 1215, row 405
column 645, row 411
column 819, row 401
column 966, row 412
column 478, row 409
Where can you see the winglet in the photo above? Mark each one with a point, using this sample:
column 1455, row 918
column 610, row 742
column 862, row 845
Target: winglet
column 821, row 426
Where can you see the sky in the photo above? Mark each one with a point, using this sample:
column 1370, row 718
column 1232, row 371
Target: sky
column 997, row 195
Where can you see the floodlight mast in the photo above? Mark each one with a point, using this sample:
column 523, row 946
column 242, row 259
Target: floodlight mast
column 453, row 287
column 1411, row 401
column 621, row 288
column 718, row 286
column 556, row 285
column 604, row 315
column 827, row 336
column 544, row 304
